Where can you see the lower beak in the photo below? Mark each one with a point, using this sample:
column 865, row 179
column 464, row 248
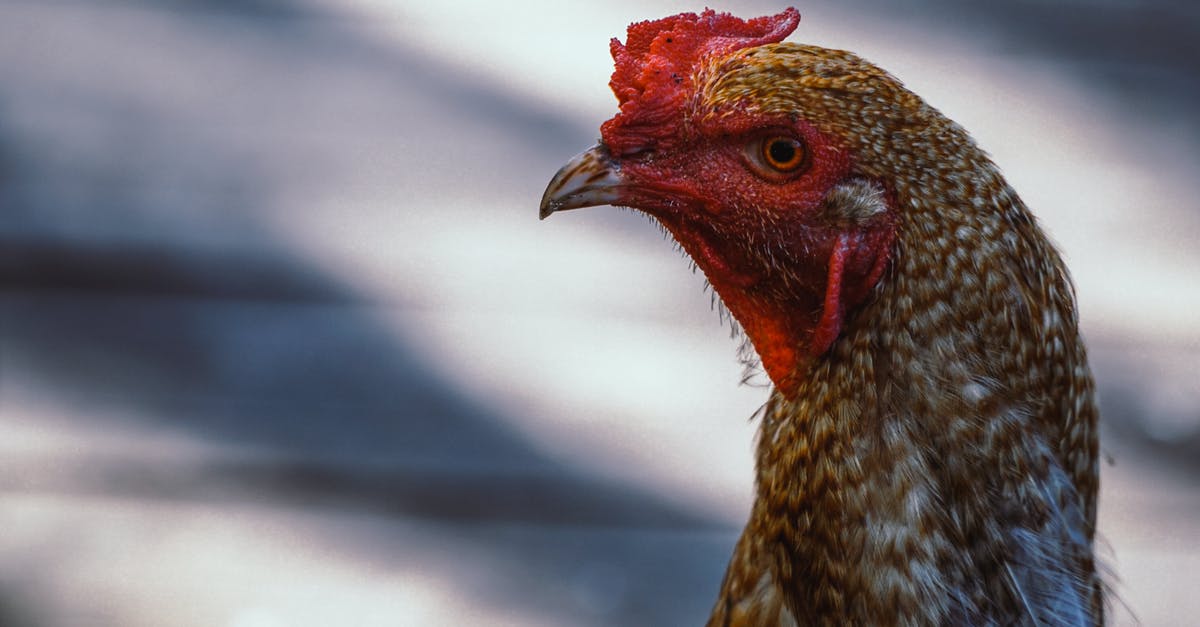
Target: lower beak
column 591, row 178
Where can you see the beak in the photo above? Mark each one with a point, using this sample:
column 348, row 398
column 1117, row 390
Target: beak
column 591, row 178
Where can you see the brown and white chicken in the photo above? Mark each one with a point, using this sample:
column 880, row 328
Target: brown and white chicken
column 928, row 453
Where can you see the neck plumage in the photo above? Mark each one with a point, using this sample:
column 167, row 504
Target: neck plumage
column 937, row 464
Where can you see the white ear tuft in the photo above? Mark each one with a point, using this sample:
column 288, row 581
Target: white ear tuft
column 854, row 201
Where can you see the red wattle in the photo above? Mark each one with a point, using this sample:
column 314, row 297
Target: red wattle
column 833, row 311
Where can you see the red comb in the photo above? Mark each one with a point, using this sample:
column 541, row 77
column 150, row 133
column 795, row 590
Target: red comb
column 654, row 68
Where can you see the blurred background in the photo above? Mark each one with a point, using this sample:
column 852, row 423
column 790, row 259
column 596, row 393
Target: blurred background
column 282, row 341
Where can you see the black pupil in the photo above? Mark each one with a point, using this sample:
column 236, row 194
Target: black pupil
column 782, row 151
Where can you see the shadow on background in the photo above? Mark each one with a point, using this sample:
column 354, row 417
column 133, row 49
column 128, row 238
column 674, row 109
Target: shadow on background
column 139, row 293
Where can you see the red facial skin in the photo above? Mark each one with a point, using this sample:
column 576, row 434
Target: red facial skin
column 787, row 270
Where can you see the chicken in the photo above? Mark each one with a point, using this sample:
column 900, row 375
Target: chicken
column 928, row 451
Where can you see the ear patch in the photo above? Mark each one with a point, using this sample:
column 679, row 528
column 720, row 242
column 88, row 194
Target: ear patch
column 854, row 202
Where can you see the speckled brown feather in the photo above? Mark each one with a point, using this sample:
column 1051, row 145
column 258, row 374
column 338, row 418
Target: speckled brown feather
column 928, row 456
column 940, row 459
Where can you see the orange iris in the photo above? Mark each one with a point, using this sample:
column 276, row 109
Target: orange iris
column 785, row 154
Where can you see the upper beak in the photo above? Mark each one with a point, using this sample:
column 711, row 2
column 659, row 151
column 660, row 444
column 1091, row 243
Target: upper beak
column 591, row 178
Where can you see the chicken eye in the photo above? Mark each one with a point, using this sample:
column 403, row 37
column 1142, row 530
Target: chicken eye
column 784, row 154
